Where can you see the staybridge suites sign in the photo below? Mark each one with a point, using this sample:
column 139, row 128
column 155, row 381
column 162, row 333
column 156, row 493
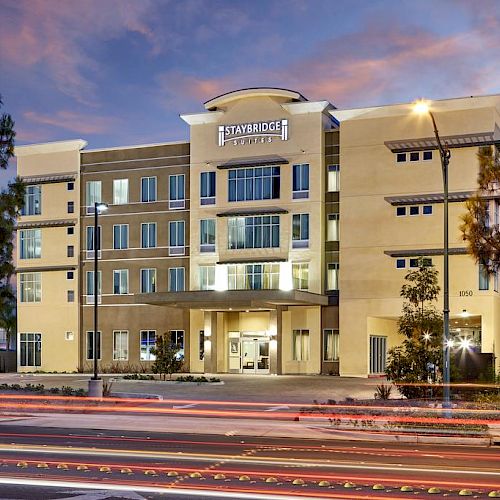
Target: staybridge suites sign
column 253, row 133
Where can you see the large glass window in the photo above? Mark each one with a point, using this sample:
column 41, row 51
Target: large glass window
column 300, row 273
column 300, row 230
column 32, row 201
column 300, row 183
column 90, row 283
column 148, row 235
column 30, row 242
column 257, row 183
column 301, row 345
column 148, row 340
column 148, row 280
column 253, row 276
column 207, row 235
column 177, row 339
column 176, row 237
column 254, row 232
column 90, row 345
column 333, row 229
column 120, row 236
column 332, row 278
column 93, row 193
column 333, row 178
column 176, row 191
column 120, row 345
column 330, row 345
column 90, row 241
column 148, row 189
column 207, row 277
column 176, row 279
column 207, row 188
column 120, row 191
column 484, row 278
column 30, row 285
column 120, row 281
column 30, row 345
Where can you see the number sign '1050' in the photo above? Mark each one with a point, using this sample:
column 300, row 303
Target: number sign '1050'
column 465, row 293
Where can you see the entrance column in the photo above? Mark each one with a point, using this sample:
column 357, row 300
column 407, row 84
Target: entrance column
column 210, row 358
column 275, row 347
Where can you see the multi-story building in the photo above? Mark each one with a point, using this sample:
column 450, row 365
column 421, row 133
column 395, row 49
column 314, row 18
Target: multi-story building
column 230, row 243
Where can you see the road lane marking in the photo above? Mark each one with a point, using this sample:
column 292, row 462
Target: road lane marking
column 277, row 408
column 184, row 406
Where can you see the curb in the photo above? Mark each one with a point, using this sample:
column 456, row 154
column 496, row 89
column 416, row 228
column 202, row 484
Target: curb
column 167, row 382
column 135, row 395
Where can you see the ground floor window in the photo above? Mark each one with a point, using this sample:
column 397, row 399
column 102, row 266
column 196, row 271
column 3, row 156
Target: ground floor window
column 148, row 340
column 301, row 345
column 31, row 349
column 120, row 345
column 202, row 344
column 90, row 345
column 330, row 345
column 378, row 354
column 177, row 339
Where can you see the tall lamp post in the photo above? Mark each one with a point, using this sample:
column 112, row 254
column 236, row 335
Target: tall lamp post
column 95, row 383
column 422, row 107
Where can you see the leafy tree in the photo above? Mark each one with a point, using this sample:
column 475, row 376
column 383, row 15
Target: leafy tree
column 11, row 200
column 167, row 357
column 483, row 236
column 421, row 326
column 8, row 316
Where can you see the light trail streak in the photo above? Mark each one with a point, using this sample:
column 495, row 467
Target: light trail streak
column 264, row 446
column 251, row 414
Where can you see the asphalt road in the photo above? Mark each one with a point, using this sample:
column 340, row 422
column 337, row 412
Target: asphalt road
column 86, row 464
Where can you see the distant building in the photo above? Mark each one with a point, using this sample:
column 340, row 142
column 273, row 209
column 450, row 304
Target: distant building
column 274, row 241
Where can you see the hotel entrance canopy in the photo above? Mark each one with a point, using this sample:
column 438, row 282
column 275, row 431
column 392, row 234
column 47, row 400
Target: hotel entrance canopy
column 233, row 299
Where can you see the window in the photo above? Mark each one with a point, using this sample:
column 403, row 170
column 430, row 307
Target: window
column 253, row 276
column 93, row 194
column 333, row 276
column 90, row 241
column 148, row 189
column 120, row 236
column 32, row 201
column 71, row 295
column 400, row 211
column 69, row 336
column 427, row 155
column 148, row 280
column 333, row 178
column 207, row 188
column 400, row 157
column 177, row 339
column 202, row 344
column 90, row 345
column 400, row 263
column 120, row 191
column 30, row 242
column 120, row 345
column 331, row 340
column 90, row 283
column 300, row 274
column 300, row 182
column 301, row 345
column 70, row 251
column 148, row 340
column 30, row 285
column 484, row 279
column 254, row 232
column 176, row 237
column 70, row 275
column 421, row 261
column 300, row 231
column 148, row 235
column 207, row 235
column 378, row 354
column 176, row 279
column 31, row 349
column 176, row 191
column 70, row 231
column 70, row 186
column 414, row 156
column 256, row 183
column 333, row 228
column 71, row 207
column 427, row 209
column 120, row 281
column 414, row 210
column 207, row 277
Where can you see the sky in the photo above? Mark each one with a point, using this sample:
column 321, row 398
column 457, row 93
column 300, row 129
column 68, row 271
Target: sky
column 119, row 72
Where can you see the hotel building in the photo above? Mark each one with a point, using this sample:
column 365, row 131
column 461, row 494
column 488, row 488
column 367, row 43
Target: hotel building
column 274, row 241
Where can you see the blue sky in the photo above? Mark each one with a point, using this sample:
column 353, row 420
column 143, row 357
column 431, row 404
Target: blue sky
column 118, row 72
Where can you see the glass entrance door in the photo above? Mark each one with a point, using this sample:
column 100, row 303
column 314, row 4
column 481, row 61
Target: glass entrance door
column 254, row 356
